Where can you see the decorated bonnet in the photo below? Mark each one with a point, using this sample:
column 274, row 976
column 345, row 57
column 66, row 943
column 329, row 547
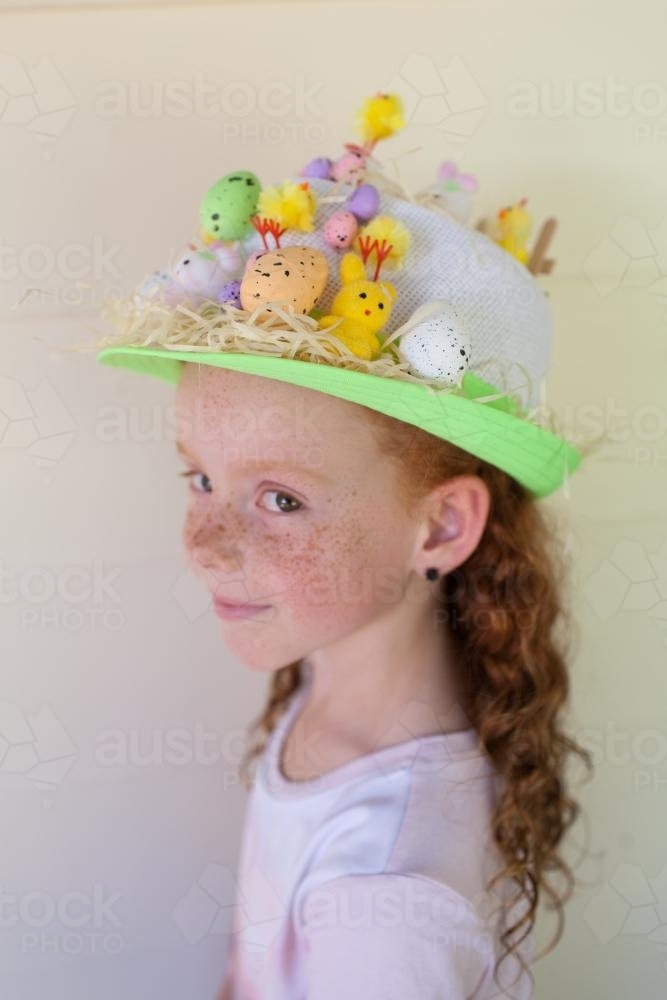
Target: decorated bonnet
column 339, row 280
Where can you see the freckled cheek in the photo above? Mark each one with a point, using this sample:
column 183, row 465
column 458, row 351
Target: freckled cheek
column 287, row 558
column 330, row 571
column 330, row 574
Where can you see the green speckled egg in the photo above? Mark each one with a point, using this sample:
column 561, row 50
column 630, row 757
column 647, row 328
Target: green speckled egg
column 228, row 205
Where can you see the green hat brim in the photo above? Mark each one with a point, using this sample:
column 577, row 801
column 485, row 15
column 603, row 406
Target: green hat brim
column 491, row 430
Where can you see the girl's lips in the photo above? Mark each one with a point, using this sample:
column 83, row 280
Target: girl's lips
column 228, row 610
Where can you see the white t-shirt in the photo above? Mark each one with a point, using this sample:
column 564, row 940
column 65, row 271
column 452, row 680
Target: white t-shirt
column 367, row 883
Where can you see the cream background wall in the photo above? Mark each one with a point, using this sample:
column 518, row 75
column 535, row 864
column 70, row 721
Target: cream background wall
column 138, row 663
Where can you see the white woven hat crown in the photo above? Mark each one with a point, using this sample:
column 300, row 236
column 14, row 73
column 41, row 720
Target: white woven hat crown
column 500, row 304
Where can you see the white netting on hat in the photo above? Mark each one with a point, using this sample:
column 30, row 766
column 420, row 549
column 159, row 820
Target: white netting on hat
column 500, row 303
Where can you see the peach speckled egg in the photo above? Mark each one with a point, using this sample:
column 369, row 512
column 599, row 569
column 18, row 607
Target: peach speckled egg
column 290, row 276
column 339, row 231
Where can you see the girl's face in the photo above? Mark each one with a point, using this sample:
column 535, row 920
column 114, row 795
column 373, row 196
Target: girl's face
column 292, row 506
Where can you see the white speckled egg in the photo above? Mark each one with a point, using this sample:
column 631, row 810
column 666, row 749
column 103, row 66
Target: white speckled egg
column 435, row 344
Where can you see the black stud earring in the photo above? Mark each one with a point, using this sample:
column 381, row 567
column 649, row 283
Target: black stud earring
column 432, row 574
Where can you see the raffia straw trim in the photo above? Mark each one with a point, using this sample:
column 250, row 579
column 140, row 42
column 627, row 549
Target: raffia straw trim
column 214, row 327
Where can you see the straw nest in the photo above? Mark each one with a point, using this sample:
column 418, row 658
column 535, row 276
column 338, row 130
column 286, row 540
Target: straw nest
column 211, row 327
column 215, row 327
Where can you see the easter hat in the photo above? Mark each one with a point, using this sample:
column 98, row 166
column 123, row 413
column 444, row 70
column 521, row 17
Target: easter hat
column 340, row 281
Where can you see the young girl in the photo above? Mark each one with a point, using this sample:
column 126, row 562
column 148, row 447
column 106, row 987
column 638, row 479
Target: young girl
column 365, row 514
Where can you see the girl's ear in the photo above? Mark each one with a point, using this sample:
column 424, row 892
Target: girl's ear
column 456, row 515
column 351, row 268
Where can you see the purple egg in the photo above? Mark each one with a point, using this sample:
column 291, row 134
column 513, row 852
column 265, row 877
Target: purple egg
column 364, row 202
column 319, row 167
column 230, row 294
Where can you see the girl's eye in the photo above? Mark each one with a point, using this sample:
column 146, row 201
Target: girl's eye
column 284, row 502
column 204, row 486
column 289, row 506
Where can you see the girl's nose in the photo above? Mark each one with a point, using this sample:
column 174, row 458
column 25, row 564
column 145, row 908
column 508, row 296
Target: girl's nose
column 214, row 571
column 211, row 548
column 222, row 556
column 206, row 546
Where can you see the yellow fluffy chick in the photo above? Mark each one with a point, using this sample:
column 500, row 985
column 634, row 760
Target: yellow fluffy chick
column 513, row 229
column 292, row 205
column 383, row 227
column 379, row 117
column 360, row 309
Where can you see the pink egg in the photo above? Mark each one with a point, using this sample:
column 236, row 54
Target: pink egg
column 349, row 167
column 339, row 231
column 364, row 202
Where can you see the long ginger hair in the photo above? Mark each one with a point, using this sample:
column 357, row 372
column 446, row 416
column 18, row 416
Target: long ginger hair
column 511, row 629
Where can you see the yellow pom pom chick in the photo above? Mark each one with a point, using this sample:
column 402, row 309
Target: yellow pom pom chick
column 513, row 228
column 378, row 118
column 292, row 205
column 360, row 309
column 393, row 232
